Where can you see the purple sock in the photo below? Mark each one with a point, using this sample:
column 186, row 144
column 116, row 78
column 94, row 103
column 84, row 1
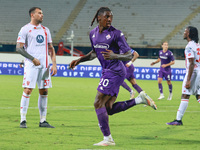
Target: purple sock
column 124, row 85
column 121, row 106
column 160, row 88
column 137, row 88
column 102, row 116
column 170, row 88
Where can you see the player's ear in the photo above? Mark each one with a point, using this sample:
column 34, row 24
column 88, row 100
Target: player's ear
column 31, row 14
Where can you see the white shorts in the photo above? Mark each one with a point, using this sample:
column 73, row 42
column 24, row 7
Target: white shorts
column 34, row 74
column 194, row 85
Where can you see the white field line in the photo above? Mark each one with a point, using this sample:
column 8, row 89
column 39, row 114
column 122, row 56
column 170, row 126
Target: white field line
column 81, row 108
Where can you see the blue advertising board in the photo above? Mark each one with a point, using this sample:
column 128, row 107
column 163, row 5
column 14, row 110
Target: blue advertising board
column 92, row 71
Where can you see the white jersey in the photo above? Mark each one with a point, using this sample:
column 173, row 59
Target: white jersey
column 192, row 50
column 36, row 39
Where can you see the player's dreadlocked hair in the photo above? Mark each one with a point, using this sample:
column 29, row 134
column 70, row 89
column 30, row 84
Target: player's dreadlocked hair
column 193, row 33
column 101, row 10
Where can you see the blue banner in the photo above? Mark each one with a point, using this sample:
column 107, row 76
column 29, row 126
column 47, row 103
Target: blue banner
column 92, row 71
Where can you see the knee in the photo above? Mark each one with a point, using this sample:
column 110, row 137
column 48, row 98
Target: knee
column 109, row 105
column 28, row 91
column 43, row 92
column 109, row 111
column 109, row 108
column 98, row 104
column 169, row 82
column 197, row 97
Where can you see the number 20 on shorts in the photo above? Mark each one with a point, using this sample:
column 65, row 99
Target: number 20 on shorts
column 104, row 82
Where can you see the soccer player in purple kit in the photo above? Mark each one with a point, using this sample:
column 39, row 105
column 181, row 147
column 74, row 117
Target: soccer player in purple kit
column 167, row 59
column 107, row 43
column 130, row 74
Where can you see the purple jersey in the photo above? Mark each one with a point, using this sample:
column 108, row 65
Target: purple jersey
column 166, row 58
column 111, row 39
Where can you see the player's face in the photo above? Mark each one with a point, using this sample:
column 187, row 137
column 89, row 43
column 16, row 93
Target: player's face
column 165, row 46
column 186, row 33
column 38, row 15
column 105, row 19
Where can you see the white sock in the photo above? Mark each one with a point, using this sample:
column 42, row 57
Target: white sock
column 182, row 108
column 42, row 105
column 24, row 106
column 198, row 100
column 108, row 138
column 138, row 100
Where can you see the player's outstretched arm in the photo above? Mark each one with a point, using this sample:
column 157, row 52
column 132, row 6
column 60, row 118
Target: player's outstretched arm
column 155, row 62
column 90, row 56
column 53, row 59
column 20, row 49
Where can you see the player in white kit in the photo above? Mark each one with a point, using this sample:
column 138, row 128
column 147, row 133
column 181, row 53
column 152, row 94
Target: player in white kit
column 34, row 43
column 191, row 83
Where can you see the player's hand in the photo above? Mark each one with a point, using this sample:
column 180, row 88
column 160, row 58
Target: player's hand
column 164, row 65
column 53, row 70
column 153, row 63
column 109, row 55
column 187, row 85
column 73, row 64
column 129, row 64
column 36, row 62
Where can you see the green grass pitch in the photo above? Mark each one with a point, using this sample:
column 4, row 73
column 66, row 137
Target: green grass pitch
column 71, row 111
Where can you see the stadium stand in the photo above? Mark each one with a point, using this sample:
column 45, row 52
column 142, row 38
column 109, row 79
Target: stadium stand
column 177, row 40
column 14, row 14
column 146, row 23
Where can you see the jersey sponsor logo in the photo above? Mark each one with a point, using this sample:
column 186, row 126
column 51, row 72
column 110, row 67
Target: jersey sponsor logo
column 189, row 54
column 40, row 39
column 121, row 34
column 163, row 57
column 101, row 45
column 18, row 38
column 93, row 36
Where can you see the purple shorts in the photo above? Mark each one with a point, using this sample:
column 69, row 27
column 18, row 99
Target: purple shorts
column 166, row 74
column 110, row 82
column 130, row 72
